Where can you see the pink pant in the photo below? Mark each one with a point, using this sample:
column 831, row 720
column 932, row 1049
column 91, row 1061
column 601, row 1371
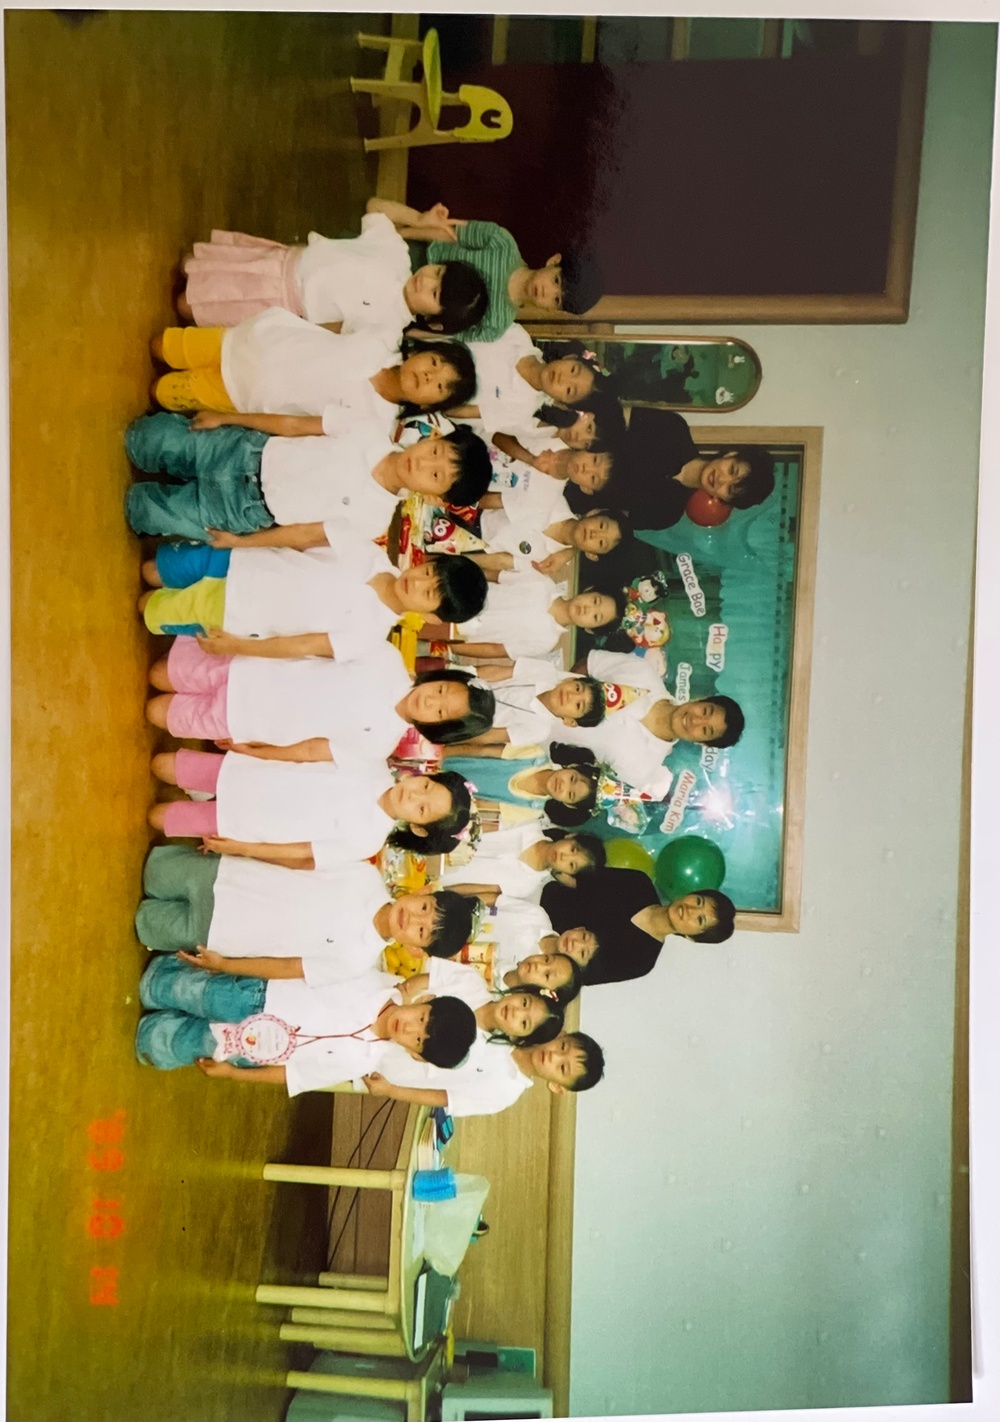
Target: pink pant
column 201, row 685
column 190, row 819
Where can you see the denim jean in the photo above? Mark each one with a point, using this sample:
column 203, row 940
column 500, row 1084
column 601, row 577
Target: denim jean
column 219, row 472
column 185, row 1001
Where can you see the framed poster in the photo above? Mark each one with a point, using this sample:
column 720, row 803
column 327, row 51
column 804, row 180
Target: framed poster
column 737, row 601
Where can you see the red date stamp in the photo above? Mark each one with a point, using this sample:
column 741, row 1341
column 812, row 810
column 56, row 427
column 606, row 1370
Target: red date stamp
column 105, row 1220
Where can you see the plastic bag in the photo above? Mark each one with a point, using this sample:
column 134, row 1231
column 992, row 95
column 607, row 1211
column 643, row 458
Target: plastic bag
column 450, row 1224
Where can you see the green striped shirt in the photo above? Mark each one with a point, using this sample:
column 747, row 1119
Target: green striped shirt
column 494, row 254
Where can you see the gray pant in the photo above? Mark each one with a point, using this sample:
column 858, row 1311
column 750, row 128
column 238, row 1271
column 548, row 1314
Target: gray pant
column 179, row 885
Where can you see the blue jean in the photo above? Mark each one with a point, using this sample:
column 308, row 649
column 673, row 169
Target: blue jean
column 219, row 472
column 185, row 1000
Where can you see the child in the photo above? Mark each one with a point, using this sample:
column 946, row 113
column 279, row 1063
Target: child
column 515, row 380
column 327, row 927
column 596, row 422
column 276, row 602
column 626, row 925
column 492, row 1077
column 303, row 1038
column 560, row 787
column 348, row 283
column 522, row 618
column 311, row 708
column 665, row 468
column 519, row 949
column 277, row 364
column 524, row 1015
column 287, row 471
column 521, row 861
column 568, row 281
column 548, row 546
column 647, row 721
column 542, row 491
column 532, row 702
column 307, row 816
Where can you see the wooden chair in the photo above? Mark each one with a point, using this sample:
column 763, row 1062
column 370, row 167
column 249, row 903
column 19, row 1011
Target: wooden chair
column 490, row 116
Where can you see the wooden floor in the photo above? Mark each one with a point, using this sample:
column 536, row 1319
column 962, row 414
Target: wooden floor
column 130, row 135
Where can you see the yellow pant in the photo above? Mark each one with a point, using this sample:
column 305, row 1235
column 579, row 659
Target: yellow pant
column 195, row 382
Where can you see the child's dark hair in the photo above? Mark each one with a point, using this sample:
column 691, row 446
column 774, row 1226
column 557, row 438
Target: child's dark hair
column 442, row 835
column 725, row 913
column 618, row 516
column 593, row 1062
column 735, row 720
column 451, row 1031
column 576, row 350
column 589, row 843
column 459, row 357
column 462, row 585
column 571, row 990
column 546, row 1031
column 452, row 925
column 582, row 284
column 609, row 419
column 478, row 718
column 464, row 299
column 582, row 761
column 617, row 597
column 474, row 467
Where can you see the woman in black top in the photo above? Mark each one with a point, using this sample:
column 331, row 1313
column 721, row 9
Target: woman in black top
column 662, row 468
column 622, row 909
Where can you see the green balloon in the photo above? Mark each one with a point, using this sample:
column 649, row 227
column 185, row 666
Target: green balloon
column 687, row 865
column 629, row 854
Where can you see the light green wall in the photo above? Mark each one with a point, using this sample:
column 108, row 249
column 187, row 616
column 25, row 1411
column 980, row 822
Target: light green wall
column 762, row 1182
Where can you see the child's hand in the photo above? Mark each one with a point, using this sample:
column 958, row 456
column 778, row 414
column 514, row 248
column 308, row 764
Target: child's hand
column 208, row 1067
column 204, row 958
column 437, row 216
column 225, row 743
column 219, row 538
column 220, row 644
column 550, row 566
column 217, row 844
column 209, row 420
column 377, row 1084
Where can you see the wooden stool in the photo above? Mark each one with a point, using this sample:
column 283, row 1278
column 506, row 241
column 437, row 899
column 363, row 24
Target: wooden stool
column 490, row 116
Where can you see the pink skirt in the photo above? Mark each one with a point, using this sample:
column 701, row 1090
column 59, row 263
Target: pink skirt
column 234, row 276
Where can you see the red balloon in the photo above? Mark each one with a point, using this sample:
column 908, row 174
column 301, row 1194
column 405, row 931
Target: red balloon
column 705, row 511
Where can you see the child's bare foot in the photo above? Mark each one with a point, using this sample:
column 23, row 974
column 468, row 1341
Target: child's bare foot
column 156, row 347
column 152, row 392
column 150, row 573
column 183, row 307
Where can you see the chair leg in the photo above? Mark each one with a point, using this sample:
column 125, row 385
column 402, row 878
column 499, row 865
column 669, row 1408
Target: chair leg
column 386, row 1389
column 301, row 1295
column 346, row 1340
column 371, row 1282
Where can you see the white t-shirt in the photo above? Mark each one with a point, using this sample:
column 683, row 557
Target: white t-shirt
column 280, row 802
column 351, row 704
column 497, row 861
column 276, row 592
column 276, row 363
column 524, row 536
column 323, row 917
column 448, row 979
column 331, row 1013
column 515, row 928
column 518, row 709
column 505, row 399
column 357, row 280
column 526, row 492
column 315, row 478
column 632, row 751
column 517, row 615
column 488, row 1080
column 537, row 438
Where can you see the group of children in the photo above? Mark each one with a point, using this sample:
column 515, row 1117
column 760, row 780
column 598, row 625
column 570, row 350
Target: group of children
column 287, row 439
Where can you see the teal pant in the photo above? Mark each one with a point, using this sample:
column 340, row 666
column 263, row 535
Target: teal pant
column 179, row 884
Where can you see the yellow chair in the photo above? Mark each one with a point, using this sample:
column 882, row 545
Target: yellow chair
column 490, row 117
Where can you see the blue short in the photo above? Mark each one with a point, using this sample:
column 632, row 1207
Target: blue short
column 181, row 564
